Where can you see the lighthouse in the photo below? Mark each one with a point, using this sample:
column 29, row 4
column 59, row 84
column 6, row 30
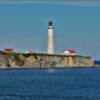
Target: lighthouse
column 50, row 49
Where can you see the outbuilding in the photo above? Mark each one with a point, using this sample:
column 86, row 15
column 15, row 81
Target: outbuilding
column 69, row 52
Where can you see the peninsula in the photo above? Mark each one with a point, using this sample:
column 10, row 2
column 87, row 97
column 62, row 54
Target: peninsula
column 36, row 60
column 29, row 59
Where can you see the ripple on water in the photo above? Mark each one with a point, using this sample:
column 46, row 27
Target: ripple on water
column 63, row 84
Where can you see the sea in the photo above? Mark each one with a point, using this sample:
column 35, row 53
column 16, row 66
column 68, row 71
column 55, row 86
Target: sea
column 50, row 84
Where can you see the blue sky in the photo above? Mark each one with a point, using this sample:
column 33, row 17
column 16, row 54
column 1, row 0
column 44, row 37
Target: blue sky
column 23, row 25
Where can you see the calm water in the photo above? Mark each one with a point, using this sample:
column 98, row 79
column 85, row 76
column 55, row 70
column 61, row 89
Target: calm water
column 63, row 84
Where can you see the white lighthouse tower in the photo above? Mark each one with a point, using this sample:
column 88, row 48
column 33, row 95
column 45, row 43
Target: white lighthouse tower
column 50, row 38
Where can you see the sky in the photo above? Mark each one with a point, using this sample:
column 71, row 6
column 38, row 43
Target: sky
column 24, row 25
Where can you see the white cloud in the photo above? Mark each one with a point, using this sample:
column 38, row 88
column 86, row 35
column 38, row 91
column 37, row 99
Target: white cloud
column 61, row 2
column 85, row 3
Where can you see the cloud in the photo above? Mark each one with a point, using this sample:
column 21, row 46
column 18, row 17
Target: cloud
column 85, row 3
column 58, row 2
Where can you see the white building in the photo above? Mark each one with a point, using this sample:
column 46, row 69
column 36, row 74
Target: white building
column 69, row 52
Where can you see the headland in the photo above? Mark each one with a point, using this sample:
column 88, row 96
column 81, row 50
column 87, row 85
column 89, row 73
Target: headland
column 68, row 58
column 40, row 60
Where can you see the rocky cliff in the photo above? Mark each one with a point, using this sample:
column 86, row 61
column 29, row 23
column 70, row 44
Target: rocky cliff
column 35, row 60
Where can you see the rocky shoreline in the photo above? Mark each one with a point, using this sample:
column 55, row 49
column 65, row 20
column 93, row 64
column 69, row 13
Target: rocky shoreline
column 36, row 60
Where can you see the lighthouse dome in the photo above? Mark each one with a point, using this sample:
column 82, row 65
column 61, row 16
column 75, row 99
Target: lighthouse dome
column 50, row 23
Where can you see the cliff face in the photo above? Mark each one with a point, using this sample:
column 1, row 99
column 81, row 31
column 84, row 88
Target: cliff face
column 43, row 61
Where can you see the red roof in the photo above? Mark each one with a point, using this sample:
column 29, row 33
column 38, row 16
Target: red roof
column 70, row 50
column 8, row 49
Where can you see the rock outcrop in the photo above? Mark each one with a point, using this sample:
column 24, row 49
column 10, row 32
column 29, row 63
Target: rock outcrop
column 35, row 60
